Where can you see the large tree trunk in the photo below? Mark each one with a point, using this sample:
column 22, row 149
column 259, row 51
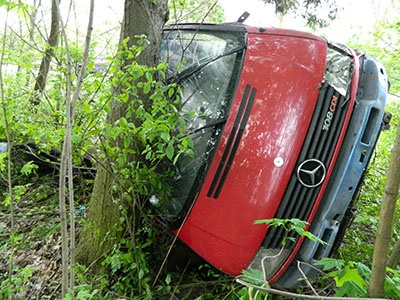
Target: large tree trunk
column 102, row 232
column 52, row 42
column 384, row 233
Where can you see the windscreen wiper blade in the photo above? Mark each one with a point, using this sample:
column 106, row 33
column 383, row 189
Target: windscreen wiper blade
column 209, row 125
column 178, row 78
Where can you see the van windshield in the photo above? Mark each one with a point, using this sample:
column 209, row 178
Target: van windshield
column 206, row 65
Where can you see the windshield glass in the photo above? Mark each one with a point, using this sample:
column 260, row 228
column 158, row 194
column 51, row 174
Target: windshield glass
column 206, row 66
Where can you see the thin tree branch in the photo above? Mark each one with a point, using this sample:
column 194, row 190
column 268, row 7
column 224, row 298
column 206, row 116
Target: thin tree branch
column 52, row 42
column 393, row 260
column 63, row 169
column 70, row 118
column 386, row 216
column 290, row 294
column 9, row 147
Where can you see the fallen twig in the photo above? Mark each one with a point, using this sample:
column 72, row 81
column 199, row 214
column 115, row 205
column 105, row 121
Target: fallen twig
column 293, row 295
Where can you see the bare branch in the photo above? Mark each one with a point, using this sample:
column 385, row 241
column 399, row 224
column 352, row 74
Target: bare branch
column 241, row 280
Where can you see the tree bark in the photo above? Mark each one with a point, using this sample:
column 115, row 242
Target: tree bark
column 102, row 231
column 394, row 258
column 52, row 42
column 148, row 18
column 384, row 233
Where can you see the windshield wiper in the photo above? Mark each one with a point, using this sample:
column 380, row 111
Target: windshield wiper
column 178, row 78
column 212, row 124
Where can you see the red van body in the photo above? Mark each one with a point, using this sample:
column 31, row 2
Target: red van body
column 283, row 124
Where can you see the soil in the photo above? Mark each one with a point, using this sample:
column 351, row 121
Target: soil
column 35, row 257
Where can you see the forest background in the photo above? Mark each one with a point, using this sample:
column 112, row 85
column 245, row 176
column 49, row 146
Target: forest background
column 37, row 220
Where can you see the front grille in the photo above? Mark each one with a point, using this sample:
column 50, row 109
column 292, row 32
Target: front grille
column 319, row 145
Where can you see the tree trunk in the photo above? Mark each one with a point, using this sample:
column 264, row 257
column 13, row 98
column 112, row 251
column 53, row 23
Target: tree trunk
column 40, row 81
column 102, row 231
column 384, row 233
column 394, row 258
column 32, row 18
column 148, row 18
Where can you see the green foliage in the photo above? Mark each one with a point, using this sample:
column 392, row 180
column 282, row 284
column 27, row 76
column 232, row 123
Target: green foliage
column 83, row 292
column 152, row 130
column 292, row 225
column 149, row 130
column 316, row 13
column 14, row 284
column 87, row 287
column 131, row 264
column 351, row 278
column 195, row 11
column 18, row 7
column 383, row 43
column 130, row 270
column 253, row 279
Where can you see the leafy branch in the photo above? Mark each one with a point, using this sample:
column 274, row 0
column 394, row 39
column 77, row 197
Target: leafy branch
column 292, row 225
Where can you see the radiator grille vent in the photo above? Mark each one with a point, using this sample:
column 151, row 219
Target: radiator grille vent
column 319, row 145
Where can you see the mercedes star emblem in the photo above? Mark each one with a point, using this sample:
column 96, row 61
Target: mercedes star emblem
column 311, row 173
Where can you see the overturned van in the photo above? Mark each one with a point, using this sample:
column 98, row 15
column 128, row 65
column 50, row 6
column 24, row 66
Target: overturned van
column 283, row 124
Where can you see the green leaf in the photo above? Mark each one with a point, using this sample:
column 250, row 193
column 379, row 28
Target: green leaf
column 169, row 151
column 94, row 132
column 146, row 87
column 122, row 122
column 28, row 168
column 76, row 138
column 176, row 158
column 351, row 289
column 127, row 142
column 168, row 279
column 141, row 274
column 165, row 136
column 137, row 73
column 86, row 108
column 330, row 263
column 148, row 155
column 313, row 237
column 254, row 276
column 350, row 275
column 149, row 76
column 171, row 92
